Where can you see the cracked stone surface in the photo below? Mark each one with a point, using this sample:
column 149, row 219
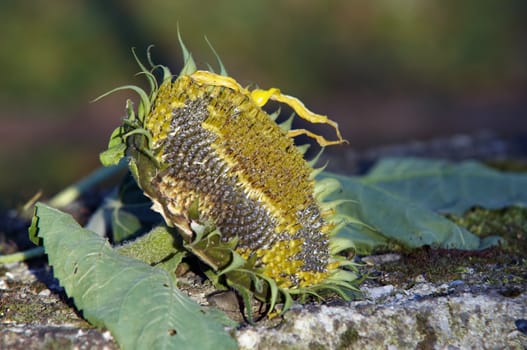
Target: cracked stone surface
column 35, row 314
column 401, row 320
column 460, row 314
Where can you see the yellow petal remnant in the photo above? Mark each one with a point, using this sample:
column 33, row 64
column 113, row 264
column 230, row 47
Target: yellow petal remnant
column 262, row 96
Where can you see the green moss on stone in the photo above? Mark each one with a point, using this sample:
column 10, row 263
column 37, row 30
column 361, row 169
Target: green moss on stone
column 348, row 338
column 509, row 223
column 58, row 344
column 429, row 334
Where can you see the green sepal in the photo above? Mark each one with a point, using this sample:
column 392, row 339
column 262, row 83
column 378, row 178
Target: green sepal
column 33, row 229
column 143, row 165
column 246, row 295
column 272, row 289
column 326, row 187
column 249, row 283
column 116, row 148
column 189, row 66
column 132, row 166
column 288, row 123
column 211, row 250
column 149, row 76
column 223, row 71
column 172, row 262
column 237, row 261
column 303, row 148
column 113, row 155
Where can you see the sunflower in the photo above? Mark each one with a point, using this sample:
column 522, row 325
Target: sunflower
column 231, row 180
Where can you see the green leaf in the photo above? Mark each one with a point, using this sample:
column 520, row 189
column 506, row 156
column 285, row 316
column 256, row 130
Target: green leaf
column 131, row 211
column 124, row 224
column 398, row 203
column 113, row 155
column 127, row 211
column 139, row 304
column 447, row 187
column 392, row 221
column 213, row 251
column 116, row 149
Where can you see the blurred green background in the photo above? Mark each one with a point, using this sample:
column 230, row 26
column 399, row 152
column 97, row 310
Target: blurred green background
column 388, row 71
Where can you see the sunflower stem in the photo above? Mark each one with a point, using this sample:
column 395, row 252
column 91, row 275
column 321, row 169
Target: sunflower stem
column 73, row 192
column 22, row 256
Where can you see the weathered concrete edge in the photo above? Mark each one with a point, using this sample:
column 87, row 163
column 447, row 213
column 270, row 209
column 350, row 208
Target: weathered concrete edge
column 462, row 321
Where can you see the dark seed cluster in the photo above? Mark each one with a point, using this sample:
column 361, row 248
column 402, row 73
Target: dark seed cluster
column 315, row 242
column 195, row 172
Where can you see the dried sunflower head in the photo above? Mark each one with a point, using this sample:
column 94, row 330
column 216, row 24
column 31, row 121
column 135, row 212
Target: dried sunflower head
column 231, row 180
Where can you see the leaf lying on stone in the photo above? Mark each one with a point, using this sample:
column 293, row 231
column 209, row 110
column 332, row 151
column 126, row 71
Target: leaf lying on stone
column 138, row 303
column 399, row 203
column 449, row 187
